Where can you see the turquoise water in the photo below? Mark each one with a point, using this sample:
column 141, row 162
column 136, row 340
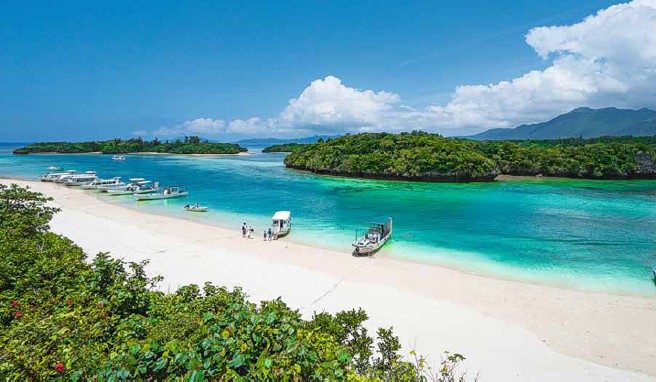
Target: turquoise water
column 585, row 234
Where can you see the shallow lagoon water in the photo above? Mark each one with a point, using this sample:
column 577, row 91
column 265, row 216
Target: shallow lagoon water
column 594, row 235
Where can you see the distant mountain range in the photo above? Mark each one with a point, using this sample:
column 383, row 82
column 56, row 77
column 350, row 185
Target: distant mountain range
column 263, row 142
column 582, row 122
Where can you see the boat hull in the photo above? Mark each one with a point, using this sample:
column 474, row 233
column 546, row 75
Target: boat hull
column 367, row 250
column 199, row 209
column 140, row 197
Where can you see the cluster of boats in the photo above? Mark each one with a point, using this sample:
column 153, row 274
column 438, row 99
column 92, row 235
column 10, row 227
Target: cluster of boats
column 376, row 235
column 140, row 188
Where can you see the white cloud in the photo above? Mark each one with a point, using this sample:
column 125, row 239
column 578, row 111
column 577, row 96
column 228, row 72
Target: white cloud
column 198, row 126
column 607, row 59
column 327, row 103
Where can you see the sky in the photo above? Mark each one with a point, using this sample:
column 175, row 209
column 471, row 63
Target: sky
column 226, row 70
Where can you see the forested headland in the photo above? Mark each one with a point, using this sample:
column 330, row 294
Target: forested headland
column 430, row 157
column 188, row 145
column 282, row 148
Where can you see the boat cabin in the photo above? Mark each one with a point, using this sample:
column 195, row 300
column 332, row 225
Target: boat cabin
column 375, row 237
column 281, row 223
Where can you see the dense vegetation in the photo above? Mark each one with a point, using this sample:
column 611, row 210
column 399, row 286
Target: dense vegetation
column 65, row 318
column 189, row 145
column 282, row 148
column 431, row 157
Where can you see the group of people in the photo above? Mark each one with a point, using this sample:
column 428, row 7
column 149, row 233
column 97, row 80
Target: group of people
column 247, row 231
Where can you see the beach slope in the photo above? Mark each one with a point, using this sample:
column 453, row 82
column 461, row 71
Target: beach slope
column 508, row 330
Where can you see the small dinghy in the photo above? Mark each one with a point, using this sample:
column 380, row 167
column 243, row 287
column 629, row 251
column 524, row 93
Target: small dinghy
column 55, row 168
column 195, row 208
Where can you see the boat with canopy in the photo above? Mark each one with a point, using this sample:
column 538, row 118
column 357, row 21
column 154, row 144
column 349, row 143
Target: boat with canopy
column 166, row 193
column 281, row 223
column 378, row 233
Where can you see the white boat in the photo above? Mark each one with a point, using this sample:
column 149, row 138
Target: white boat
column 55, row 168
column 78, row 180
column 54, row 176
column 281, row 223
column 166, row 193
column 195, row 208
column 118, row 157
column 100, row 184
column 377, row 235
column 136, row 186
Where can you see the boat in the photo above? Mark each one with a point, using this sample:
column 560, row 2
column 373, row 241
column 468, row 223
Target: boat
column 101, row 184
column 54, row 176
column 195, row 208
column 653, row 270
column 118, row 157
column 377, row 235
column 136, row 186
column 55, row 168
column 78, row 180
column 166, row 193
column 281, row 223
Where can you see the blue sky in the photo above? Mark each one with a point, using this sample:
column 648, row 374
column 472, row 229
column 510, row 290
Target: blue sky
column 91, row 70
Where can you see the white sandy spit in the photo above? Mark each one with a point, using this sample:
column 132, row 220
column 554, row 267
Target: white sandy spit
column 508, row 330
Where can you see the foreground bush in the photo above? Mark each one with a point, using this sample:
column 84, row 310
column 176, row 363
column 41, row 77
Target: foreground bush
column 62, row 318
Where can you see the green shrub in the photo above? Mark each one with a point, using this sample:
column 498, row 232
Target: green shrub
column 65, row 318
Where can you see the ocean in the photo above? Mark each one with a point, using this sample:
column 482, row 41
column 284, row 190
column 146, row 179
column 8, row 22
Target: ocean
column 590, row 235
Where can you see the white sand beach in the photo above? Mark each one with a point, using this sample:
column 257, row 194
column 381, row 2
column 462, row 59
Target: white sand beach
column 507, row 330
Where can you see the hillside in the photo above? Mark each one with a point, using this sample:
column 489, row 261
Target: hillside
column 582, row 122
column 190, row 145
column 420, row 156
column 282, row 148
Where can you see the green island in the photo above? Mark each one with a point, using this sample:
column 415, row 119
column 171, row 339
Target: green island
column 421, row 156
column 283, row 148
column 66, row 317
column 188, row 145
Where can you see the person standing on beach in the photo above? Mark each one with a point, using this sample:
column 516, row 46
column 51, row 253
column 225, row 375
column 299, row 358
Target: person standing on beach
column 265, row 235
column 243, row 230
column 270, row 234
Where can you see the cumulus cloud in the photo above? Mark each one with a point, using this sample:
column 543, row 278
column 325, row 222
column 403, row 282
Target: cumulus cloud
column 198, row 126
column 607, row 59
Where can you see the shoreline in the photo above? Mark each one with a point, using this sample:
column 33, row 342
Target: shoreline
column 136, row 153
column 436, row 307
column 501, row 276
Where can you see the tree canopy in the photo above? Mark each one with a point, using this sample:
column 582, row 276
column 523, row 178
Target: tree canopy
column 431, row 157
column 187, row 145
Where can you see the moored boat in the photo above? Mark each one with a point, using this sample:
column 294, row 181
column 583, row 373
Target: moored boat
column 100, row 184
column 136, row 186
column 166, row 193
column 281, row 223
column 54, row 176
column 195, row 208
column 118, row 157
column 78, row 180
column 55, row 168
column 377, row 235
